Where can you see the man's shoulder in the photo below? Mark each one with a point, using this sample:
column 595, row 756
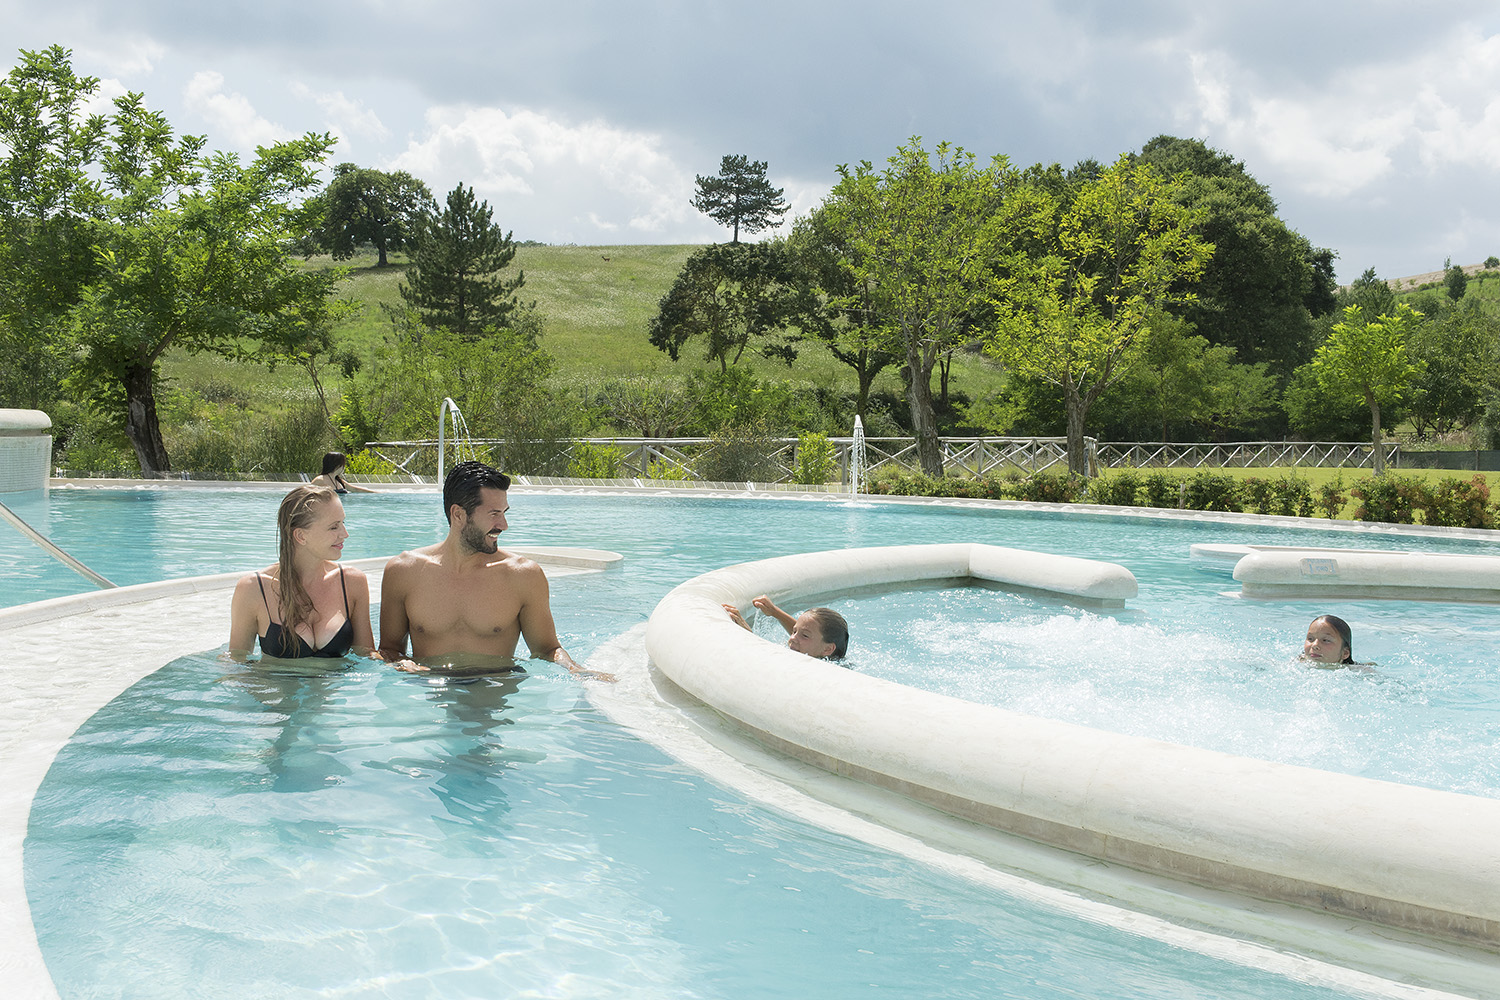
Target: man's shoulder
column 413, row 559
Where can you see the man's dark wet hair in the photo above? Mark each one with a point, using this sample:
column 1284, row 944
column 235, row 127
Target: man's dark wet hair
column 833, row 628
column 465, row 480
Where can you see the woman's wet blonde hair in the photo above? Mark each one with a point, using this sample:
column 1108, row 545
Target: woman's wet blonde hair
column 299, row 509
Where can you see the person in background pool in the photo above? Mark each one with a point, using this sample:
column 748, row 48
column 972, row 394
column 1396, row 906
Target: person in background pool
column 464, row 600
column 306, row 604
column 821, row 633
column 1329, row 643
column 333, row 475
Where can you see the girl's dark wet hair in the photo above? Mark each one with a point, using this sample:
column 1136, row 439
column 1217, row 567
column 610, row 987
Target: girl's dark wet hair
column 833, row 628
column 333, row 462
column 1342, row 628
column 465, row 480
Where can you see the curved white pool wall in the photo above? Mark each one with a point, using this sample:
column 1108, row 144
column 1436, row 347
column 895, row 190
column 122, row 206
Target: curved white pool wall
column 1398, row 855
column 1281, row 571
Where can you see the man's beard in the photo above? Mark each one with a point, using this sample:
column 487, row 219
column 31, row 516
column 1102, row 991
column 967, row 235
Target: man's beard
column 475, row 540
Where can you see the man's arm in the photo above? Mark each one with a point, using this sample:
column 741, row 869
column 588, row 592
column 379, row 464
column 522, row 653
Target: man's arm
column 537, row 626
column 395, row 582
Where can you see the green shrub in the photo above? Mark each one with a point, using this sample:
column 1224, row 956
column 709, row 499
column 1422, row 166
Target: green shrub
column 1045, row 487
column 367, row 463
column 595, row 461
column 294, row 440
column 1286, row 495
column 1331, row 498
column 1159, row 489
column 1389, row 498
column 1454, row 503
column 660, row 468
column 203, row 447
column 1118, row 488
column 815, row 463
column 740, row 454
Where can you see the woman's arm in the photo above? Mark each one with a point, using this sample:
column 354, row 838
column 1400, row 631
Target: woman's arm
column 245, row 617
column 359, row 611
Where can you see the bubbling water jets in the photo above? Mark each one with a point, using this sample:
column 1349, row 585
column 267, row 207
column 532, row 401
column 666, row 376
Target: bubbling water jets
column 857, row 460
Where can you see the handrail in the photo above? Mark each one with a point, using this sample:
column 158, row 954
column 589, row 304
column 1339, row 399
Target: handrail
column 53, row 550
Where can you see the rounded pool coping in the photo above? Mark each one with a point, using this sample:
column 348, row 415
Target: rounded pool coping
column 1412, row 858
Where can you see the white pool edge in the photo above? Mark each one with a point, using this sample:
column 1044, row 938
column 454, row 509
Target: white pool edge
column 1420, row 860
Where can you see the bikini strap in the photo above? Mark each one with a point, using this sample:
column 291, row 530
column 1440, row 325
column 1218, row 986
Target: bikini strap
column 262, row 587
column 345, row 587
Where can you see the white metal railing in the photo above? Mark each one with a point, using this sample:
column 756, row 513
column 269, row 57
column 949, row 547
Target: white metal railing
column 675, row 458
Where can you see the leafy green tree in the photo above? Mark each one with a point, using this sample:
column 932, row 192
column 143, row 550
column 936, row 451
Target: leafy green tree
column 1070, row 315
column 727, row 296
column 1457, row 351
column 1455, row 281
column 362, row 206
column 49, row 205
column 740, row 196
column 1370, row 292
column 1315, row 414
column 1266, row 282
column 454, row 280
column 843, row 312
column 920, row 236
column 192, row 255
column 1368, row 359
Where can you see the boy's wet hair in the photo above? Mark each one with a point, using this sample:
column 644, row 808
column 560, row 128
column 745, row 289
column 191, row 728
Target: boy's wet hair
column 464, row 481
column 833, row 628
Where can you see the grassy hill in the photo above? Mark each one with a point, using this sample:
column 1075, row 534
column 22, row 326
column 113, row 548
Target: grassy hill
column 595, row 303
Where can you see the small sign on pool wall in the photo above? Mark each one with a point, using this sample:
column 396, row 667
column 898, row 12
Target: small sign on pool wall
column 1320, row 567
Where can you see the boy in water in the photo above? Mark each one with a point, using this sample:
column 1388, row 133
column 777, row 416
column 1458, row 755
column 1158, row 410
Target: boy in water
column 821, row 633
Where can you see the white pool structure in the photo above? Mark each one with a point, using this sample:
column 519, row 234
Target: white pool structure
column 1361, row 886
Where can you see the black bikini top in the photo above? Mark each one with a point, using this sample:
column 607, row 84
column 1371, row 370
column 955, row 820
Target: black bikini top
column 285, row 643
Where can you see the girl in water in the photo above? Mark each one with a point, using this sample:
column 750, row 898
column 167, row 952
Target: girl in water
column 332, row 475
column 1329, row 643
column 306, row 604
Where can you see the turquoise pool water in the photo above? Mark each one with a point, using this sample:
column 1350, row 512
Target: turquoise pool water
column 219, row 831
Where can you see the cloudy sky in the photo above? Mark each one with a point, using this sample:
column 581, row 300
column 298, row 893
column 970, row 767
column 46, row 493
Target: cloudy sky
column 1376, row 123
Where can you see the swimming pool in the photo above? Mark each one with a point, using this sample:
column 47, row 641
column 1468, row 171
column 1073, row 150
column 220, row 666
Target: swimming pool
column 544, row 849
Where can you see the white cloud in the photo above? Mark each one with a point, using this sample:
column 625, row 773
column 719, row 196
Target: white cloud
column 547, row 177
column 235, row 121
column 1378, row 122
column 345, row 115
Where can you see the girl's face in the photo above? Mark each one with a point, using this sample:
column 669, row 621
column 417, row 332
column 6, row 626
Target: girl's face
column 807, row 638
column 324, row 538
column 1324, row 644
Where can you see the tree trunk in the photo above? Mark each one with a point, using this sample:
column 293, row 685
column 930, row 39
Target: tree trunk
column 923, row 420
column 141, row 425
column 1078, row 409
column 1376, row 449
column 383, row 262
column 866, row 380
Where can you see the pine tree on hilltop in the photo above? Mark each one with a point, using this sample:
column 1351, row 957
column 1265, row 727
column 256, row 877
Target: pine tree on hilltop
column 454, row 280
column 740, row 196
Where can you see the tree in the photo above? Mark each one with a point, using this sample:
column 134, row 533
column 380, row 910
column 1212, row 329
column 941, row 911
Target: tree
column 1368, row 358
column 740, row 196
column 844, row 316
column 49, row 205
column 366, row 206
column 920, row 235
column 1070, row 314
column 454, row 279
column 1265, row 283
column 1456, row 350
column 728, row 295
column 1455, row 281
column 192, row 255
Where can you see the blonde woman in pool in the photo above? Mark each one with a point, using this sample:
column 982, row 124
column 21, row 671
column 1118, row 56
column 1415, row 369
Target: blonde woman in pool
column 306, row 604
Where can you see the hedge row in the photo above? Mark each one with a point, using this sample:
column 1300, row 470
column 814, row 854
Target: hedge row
column 1449, row 502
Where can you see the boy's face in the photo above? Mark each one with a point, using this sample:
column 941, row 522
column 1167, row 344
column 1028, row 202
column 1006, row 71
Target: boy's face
column 807, row 638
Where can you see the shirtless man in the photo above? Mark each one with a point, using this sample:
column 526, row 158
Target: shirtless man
column 464, row 599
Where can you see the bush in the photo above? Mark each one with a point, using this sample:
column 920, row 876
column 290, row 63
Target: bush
column 1206, row 490
column 1454, row 503
column 367, row 463
column 1389, row 498
column 1044, row 487
column 1331, row 498
column 1118, row 488
column 740, row 454
column 201, row 446
column 595, row 461
column 1158, row 489
column 660, row 468
column 294, row 440
column 815, row 463
column 1287, row 495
